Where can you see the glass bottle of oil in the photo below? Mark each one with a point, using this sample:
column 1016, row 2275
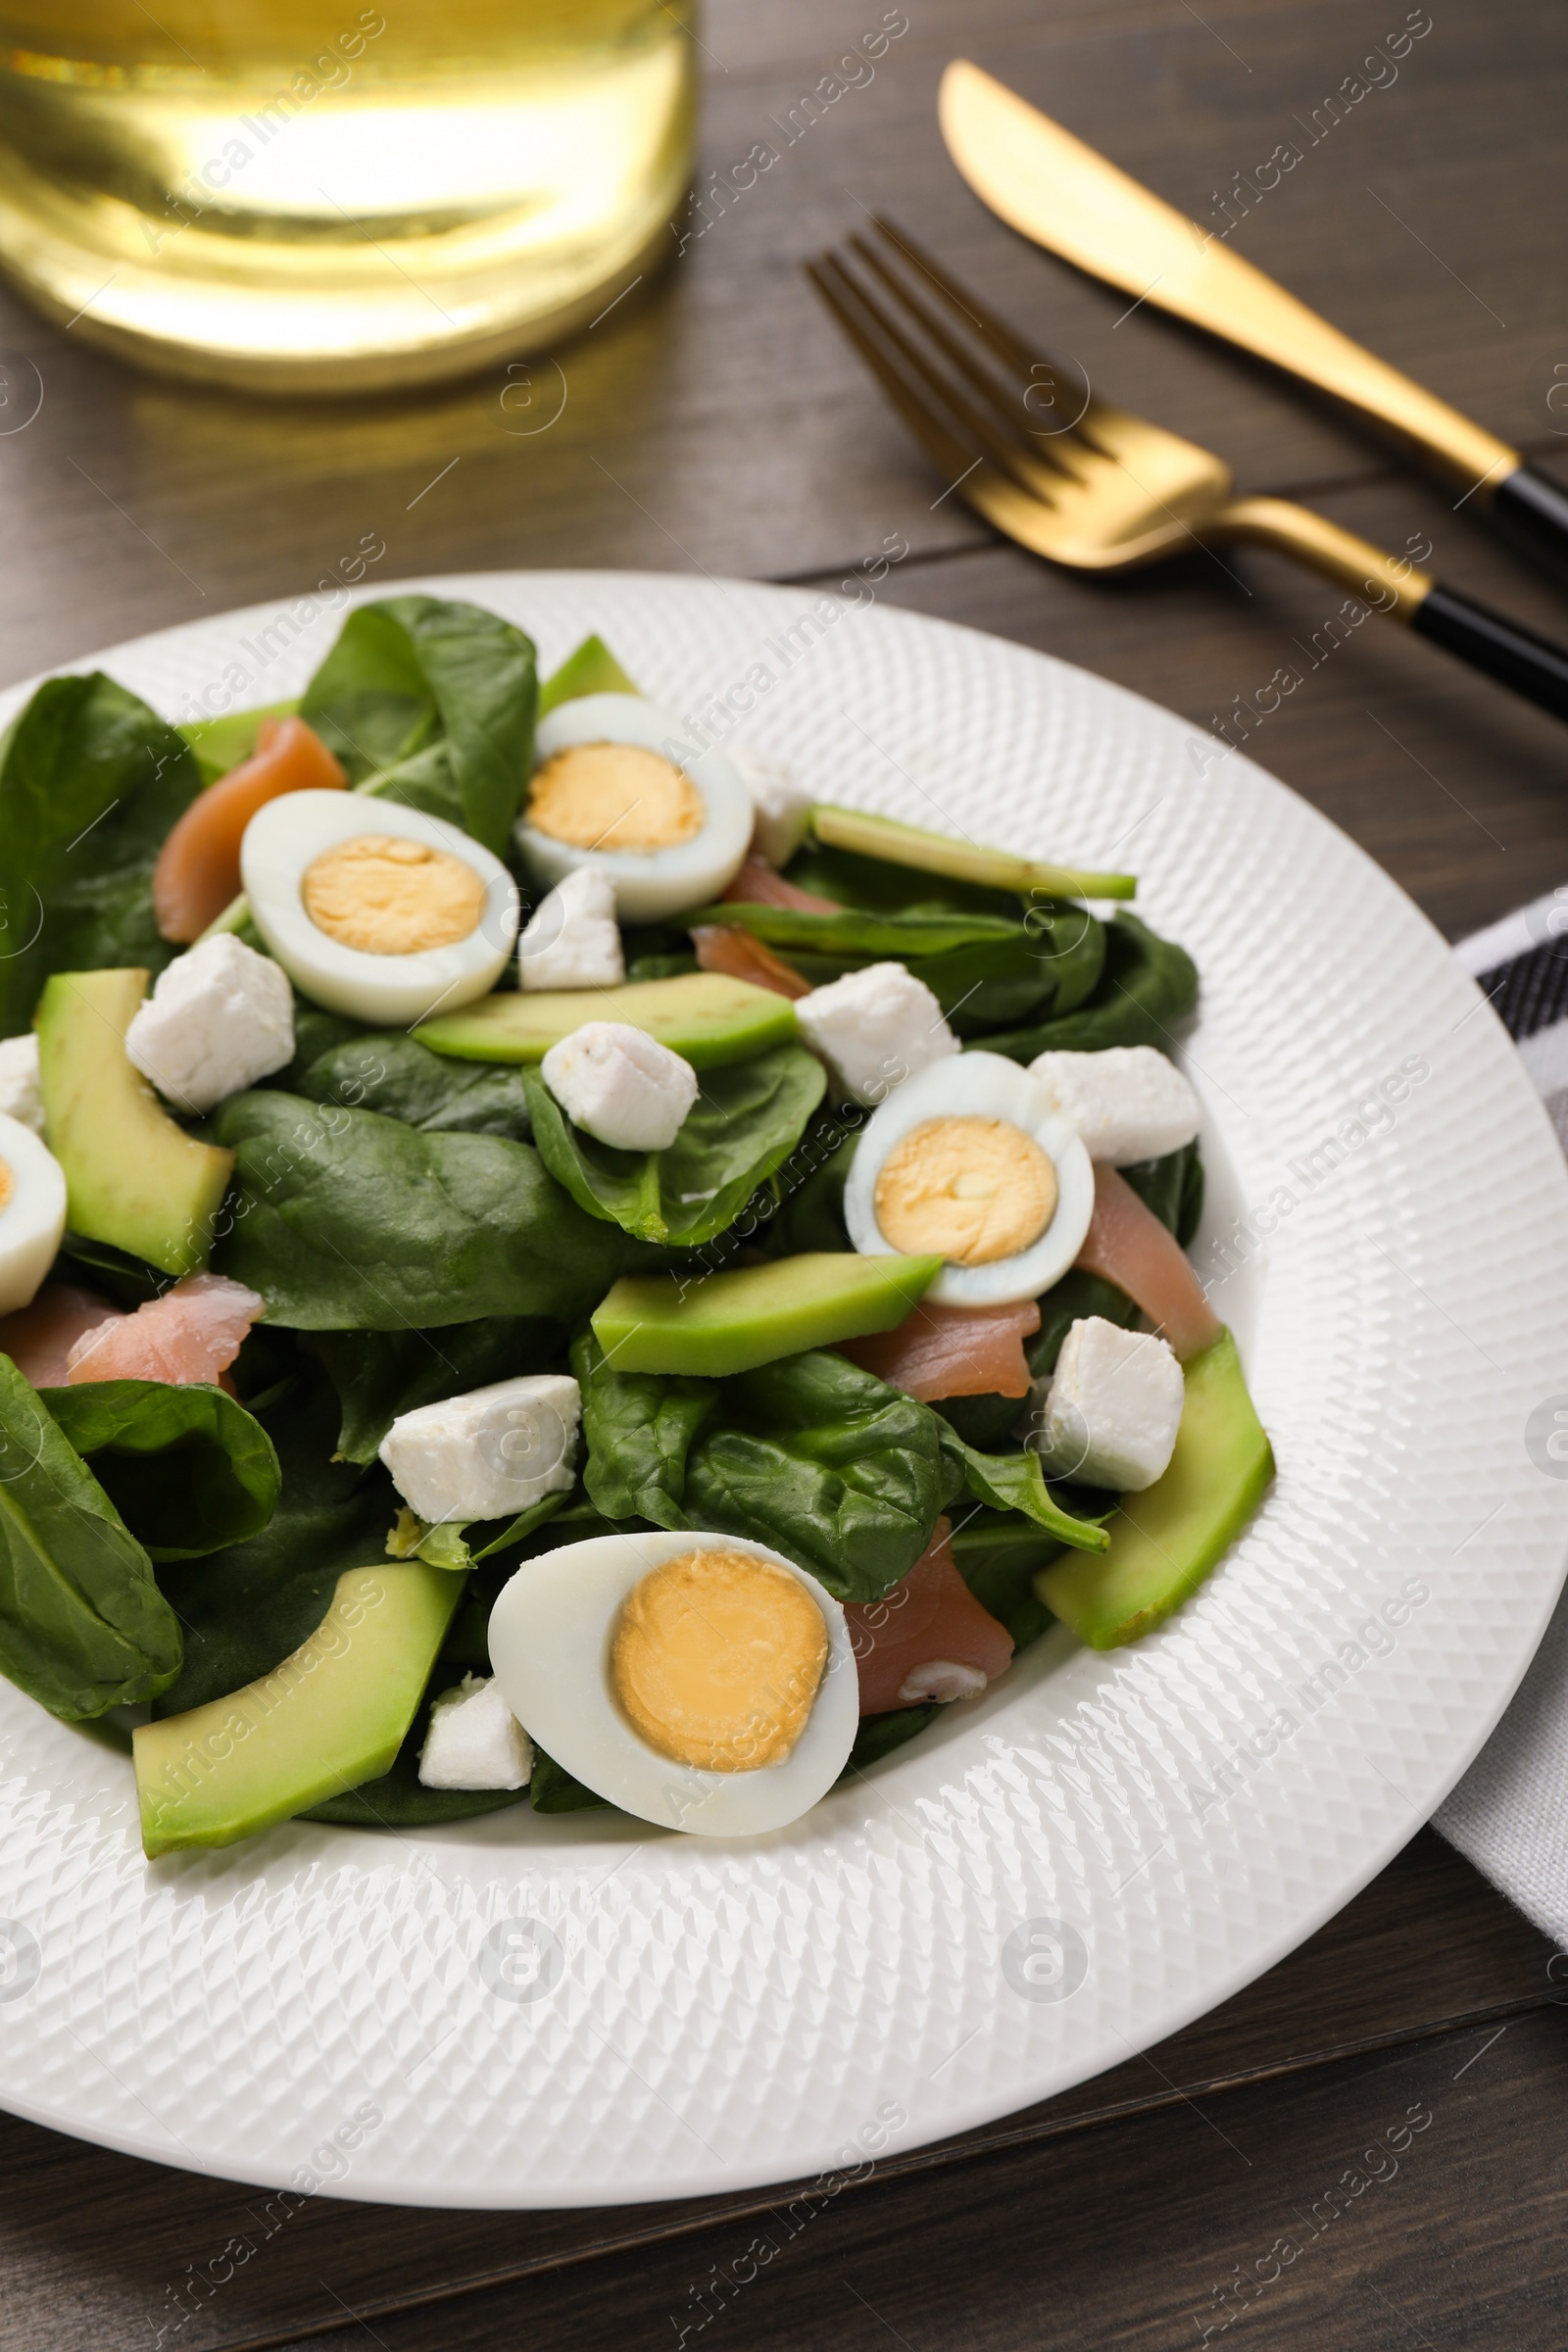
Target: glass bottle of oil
column 311, row 195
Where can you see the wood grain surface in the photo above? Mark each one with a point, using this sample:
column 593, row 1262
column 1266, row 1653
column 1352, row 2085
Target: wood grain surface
column 1366, row 2148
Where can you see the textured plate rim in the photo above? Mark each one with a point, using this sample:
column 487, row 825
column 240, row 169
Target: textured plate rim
column 1120, row 712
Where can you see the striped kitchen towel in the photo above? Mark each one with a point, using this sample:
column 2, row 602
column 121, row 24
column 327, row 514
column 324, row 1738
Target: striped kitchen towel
column 1509, row 1814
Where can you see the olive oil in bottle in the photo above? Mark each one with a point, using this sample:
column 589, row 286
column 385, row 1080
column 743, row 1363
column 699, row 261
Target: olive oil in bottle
column 311, row 195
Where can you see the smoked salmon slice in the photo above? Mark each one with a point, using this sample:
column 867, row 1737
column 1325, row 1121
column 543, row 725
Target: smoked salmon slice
column 726, row 948
column 1127, row 1245
column 39, row 1336
column 953, row 1351
column 197, row 873
column 758, row 884
column 193, row 1332
column 927, row 1638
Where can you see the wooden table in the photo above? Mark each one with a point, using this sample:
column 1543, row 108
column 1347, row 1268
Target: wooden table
column 714, row 421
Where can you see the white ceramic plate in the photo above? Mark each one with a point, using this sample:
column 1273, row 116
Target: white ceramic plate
column 580, row 2011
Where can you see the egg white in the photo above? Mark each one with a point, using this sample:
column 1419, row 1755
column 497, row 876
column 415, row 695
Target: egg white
column 978, row 1086
column 285, row 837
column 33, row 1219
column 650, row 884
column 551, row 1634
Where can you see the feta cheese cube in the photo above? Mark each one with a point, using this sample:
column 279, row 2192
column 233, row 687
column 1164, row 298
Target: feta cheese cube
column 1128, row 1103
column 622, row 1085
column 572, row 939
column 1112, row 1409
column 489, row 1455
column 874, row 1029
column 783, row 807
column 474, row 1739
column 20, row 1096
column 218, row 1020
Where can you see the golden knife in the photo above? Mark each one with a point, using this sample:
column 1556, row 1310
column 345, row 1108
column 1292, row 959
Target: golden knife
column 1049, row 186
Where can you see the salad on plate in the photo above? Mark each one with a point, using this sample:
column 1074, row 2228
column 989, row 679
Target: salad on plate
column 542, row 1265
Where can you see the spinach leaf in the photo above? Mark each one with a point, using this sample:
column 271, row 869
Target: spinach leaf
column 441, row 1546
column 982, row 970
column 557, row 1521
column 746, row 1120
column 1148, row 984
column 638, row 1429
column 879, row 1735
column 986, row 1421
column 1190, row 1208
column 1173, row 1188
column 378, row 1375
column 1073, row 944
column 398, row 1799
column 592, row 669
column 810, row 1187
column 247, row 1608
column 402, row 1079
column 316, row 1032
column 811, row 1454
column 188, row 1469
column 344, row 1220
column 90, row 782
column 1016, row 1482
column 432, row 704
column 997, row 1555
column 841, row 1473
column 660, row 967
column 976, row 987
column 446, row 1544
column 1076, row 1296
column 125, row 1280
column 82, row 1625
column 552, row 1790
column 518, row 1530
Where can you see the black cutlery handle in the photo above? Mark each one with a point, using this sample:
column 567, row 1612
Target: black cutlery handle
column 1515, row 657
column 1532, row 510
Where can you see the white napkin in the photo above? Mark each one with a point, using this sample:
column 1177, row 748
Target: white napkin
column 1509, row 1814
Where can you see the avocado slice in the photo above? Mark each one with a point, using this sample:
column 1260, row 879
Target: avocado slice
column 898, row 844
column 331, row 1716
column 134, row 1177
column 705, row 1016
column 1165, row 1542
column 724, row 1323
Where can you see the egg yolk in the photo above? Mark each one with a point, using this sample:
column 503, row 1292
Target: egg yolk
column 716, row 1660
column 389, row 895
column 7, row 1184
column 614, row 796
column 969, row 1190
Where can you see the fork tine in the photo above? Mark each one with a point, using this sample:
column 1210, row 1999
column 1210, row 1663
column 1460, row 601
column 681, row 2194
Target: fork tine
column 992, row 329
column 1066, row 441
column 1011, row 446
column 924, row 384
column 844, row 298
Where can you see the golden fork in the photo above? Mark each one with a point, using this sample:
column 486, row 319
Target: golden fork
column 1103, row 490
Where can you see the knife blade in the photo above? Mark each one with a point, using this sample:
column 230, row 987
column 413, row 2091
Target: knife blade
column 1053, row 188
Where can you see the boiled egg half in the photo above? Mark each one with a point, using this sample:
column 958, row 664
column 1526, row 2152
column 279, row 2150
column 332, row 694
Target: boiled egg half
column 33, row 1212
column 377, row 909
column 967, row 1161
column 698, row 1681
column 609, row 792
